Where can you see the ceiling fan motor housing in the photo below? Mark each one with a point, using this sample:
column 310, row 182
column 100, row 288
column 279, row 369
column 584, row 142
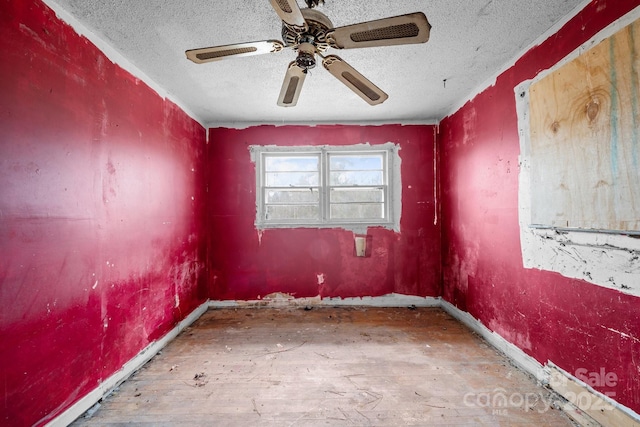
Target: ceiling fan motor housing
column 317, row 27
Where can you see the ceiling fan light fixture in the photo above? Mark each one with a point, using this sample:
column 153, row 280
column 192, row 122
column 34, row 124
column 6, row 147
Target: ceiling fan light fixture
column 306, row 56
column 305, row 61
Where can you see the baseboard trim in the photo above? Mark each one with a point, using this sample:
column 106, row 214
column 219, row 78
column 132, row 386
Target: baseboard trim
column 93, row 397
column 514, row 353
column 279, row 300
column 597, row 406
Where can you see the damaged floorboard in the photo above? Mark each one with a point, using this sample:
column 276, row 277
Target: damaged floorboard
column 328, row 366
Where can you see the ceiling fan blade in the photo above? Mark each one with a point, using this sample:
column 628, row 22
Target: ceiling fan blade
column 291, row 86
column 354, row 80
column 403, row 29
column 289, row 12
column 216, row 53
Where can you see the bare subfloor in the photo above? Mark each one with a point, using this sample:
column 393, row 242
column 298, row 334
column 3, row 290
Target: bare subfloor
column 328, row 366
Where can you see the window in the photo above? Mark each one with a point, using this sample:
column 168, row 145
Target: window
column 324, row 186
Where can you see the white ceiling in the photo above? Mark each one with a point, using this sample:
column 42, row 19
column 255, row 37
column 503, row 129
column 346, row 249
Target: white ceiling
column 471, row 40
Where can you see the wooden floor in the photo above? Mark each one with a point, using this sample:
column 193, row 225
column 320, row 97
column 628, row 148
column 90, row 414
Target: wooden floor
column 330, row 367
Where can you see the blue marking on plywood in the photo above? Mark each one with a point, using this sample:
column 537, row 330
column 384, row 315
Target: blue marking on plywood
column 634, row 97
column 615, row 131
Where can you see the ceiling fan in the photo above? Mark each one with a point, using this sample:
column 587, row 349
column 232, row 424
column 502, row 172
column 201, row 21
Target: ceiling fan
column 311, row 33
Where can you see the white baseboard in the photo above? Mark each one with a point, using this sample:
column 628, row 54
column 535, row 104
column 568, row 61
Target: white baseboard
column 514, row 353
column 285, row 300
column 93, row 397
column 599, row 407
column 390, row 300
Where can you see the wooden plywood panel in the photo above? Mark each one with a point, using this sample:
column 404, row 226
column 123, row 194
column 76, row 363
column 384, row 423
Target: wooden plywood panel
column 584, row 122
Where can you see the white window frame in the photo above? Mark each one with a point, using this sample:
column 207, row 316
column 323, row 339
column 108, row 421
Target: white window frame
column 391, row 185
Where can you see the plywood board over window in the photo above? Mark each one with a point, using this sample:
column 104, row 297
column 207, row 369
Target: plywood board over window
column 584, row 148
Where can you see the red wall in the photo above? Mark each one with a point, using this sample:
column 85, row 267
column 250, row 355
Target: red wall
column 570, row 322
column 103, row 226
column 101, row 209
column 245, row 265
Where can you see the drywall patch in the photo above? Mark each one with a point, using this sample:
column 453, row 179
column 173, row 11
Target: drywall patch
column 605, row 259
column 321, row 284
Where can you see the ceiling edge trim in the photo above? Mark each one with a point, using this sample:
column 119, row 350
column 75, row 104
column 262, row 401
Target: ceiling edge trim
column 245, row 125
column 116, row 57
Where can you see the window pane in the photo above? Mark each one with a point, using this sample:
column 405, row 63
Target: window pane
column 292, row 212
column 356, row 162
column 357, row 211
column 357, row 195
column 290, row 163
column 292, row 179
column 320, row 186
column 294, row 196
column 357, row 178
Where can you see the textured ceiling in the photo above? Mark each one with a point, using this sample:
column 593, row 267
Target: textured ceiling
column 471, row 40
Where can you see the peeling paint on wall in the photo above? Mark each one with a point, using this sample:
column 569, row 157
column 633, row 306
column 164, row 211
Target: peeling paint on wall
column 289, row 260
column 101, row 244
column 531, row 304
column 604, row 259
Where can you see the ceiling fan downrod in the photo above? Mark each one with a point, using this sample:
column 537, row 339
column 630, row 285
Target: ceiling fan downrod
column 313, row 3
